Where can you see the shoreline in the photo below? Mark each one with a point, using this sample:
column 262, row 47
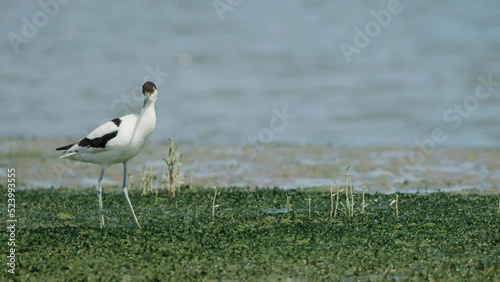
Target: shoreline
column 380, row 169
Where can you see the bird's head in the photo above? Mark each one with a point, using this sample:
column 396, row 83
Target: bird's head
column 150, row 92
column 149, row 89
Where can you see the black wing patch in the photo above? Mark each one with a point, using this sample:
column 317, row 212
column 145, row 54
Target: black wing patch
column 65, row 147
column 117, row 121
column 99, row 142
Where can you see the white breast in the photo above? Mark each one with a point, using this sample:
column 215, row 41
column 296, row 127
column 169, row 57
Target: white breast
column 132, row 135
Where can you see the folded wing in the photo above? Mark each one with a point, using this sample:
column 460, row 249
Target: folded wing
column 94, row 142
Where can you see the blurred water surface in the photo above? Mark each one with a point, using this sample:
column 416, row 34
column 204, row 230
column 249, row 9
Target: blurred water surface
column 227, row 74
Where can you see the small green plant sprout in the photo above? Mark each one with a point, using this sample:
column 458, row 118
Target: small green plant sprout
column 331, row 200
column 498, row 209
column 309, row 204
column 363, row 204
column 337, row 203
column 148, row 180
column 395, row 202
column 351, row 189
column 214, row 206
column 349, row 201
column 191, row 168
column 333, row 211
column 157, row 187
column 173, row 176
column 288, row 206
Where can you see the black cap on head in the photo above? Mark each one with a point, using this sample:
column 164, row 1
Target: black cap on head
column 148, row 86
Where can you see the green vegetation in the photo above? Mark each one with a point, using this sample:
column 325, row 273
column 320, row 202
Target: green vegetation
column 173, row 176
column 256, row 235
column 149, row 182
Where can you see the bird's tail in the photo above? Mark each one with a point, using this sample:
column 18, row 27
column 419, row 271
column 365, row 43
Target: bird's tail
column 67, row 155
column 64, row 148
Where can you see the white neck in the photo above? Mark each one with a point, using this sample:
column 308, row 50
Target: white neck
column 149, row 103
column 147, row 119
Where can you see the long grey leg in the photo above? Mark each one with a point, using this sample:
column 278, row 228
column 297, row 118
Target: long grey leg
column 99, row 196
column 125, row 193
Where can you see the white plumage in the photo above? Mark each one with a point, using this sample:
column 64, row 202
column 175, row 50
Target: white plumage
column 117, row 141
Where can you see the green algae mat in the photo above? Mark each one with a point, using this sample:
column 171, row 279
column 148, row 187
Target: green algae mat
column 253, row 235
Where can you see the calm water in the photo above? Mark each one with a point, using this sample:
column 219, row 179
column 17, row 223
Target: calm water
column 84, row 63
